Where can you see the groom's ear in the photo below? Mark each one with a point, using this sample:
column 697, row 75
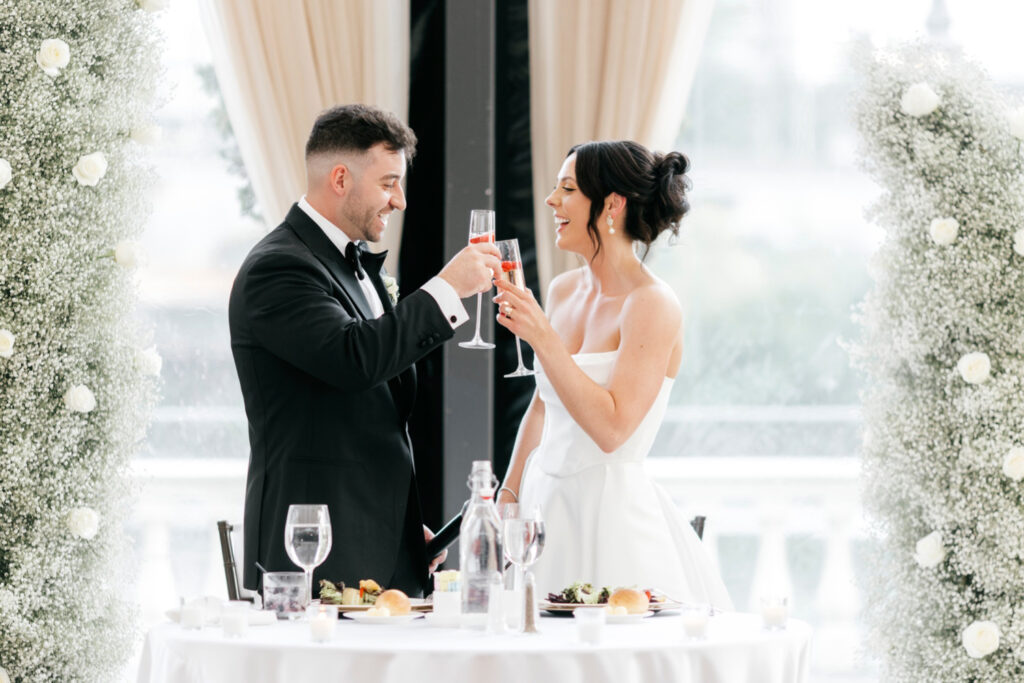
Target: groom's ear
column 340, row 179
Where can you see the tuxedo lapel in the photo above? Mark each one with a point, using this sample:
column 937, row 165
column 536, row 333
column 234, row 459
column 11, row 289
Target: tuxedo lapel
column 373, row 265
column 402, row 386
column 314, row 238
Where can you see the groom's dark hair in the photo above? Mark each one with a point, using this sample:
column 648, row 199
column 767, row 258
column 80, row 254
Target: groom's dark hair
column 357, row 128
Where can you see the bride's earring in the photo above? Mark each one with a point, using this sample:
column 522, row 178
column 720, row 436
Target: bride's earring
column 611, row 225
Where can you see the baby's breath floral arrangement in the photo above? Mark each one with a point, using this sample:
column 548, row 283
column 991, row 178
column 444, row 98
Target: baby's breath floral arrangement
column 943, row 349
column 77, row 375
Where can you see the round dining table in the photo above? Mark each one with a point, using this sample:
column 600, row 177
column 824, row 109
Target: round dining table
column 736, row 648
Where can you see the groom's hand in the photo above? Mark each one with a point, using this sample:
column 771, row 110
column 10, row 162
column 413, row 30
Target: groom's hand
column 472, row 269
column 436, row 562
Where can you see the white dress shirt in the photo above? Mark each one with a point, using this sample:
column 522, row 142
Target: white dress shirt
column 442, row 292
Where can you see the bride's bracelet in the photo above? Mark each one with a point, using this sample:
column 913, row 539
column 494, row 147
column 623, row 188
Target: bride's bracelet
column 505, row 488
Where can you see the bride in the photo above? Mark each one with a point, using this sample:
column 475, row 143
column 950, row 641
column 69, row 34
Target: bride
column 606, row 358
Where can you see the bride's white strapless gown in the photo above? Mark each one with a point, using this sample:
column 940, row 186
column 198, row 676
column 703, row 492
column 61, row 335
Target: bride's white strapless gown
column 606, row 522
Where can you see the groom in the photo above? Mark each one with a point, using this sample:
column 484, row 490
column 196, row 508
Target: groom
column 325, row 359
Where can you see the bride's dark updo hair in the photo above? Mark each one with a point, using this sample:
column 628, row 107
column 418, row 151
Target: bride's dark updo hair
column 653, row 184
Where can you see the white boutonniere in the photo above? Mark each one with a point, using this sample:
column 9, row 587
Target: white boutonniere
column 391, row 285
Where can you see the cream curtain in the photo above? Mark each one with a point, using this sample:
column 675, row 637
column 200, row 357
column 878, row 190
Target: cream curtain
column 279, row 64
column 600, row 70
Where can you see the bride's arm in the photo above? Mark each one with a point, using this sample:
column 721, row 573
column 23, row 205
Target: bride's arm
column 527, row 439
column 649, row 329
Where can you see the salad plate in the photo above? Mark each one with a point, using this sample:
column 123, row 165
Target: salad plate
column 364, row 618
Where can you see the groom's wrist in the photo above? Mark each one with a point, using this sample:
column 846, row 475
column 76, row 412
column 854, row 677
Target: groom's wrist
column 447, row 300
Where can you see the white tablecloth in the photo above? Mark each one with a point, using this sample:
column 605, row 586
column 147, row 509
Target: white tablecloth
column 737, row 649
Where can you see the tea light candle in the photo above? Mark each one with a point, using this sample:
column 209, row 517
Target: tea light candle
column 774, row 612
column 695, row 622
column 234, row 619
column 323, row 620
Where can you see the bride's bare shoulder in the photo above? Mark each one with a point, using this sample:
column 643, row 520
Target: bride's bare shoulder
column 563, row 285
column 653, row 300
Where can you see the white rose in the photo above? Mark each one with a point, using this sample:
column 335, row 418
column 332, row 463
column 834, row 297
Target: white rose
column 974, row 367
column 4, row 678
column 148, row 361
column 919, row 100
column 981, row 639
column 929, row 551
column 154, row 5
column 90, row 168
column 6, row 344
column 1013, row 463
column 147, row 134
column 83, row 522
column 54, row 54
column 391, row 285
column 129, row 254
column 944, row 230
column 80, row 399
column 1017, row 123
column 5, row 173
column 1018, row 242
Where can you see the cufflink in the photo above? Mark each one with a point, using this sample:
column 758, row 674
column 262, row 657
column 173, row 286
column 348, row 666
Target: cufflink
column 452, row 319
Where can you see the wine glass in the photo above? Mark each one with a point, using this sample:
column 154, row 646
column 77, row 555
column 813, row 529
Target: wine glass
column 509, row 511
column 524, row 542
column 307, row 538
column 512, row 270
column 481, row 229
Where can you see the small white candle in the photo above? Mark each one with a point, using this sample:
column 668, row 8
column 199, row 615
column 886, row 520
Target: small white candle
column 774, row 612
column 191, row 617
column 322, row 628
column 589, row 624
column 323, row 620
column 695, row 623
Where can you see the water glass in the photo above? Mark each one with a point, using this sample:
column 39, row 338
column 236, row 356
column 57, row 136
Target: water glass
column 307, row 539
column 284, row 593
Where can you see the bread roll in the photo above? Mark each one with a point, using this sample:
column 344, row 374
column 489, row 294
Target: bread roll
column 634, row 601
column 396, row 601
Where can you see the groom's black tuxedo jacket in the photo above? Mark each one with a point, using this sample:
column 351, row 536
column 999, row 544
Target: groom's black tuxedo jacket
column 328, row 390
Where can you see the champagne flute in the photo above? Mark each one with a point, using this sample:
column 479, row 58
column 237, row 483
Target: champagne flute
column 481, row 229
column 512, row 270
column 307, row 539
column 524, row 542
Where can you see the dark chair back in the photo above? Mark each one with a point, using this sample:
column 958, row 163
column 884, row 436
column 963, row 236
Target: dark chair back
column 227, row 553
column 698, row 525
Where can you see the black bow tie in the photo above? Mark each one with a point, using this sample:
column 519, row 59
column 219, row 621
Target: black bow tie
column 353, row 254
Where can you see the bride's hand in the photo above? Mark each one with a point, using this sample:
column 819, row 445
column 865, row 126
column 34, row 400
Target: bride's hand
column 520, row 313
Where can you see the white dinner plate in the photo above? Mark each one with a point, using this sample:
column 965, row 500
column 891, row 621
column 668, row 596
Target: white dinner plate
column 364, row 618
column 626, row 618
column 416, row 604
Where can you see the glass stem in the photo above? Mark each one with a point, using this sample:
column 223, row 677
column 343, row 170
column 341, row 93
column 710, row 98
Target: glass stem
column 519, row 353
column 479, row 296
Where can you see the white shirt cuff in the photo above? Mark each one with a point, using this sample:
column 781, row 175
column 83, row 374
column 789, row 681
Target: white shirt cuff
column 447, row 300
